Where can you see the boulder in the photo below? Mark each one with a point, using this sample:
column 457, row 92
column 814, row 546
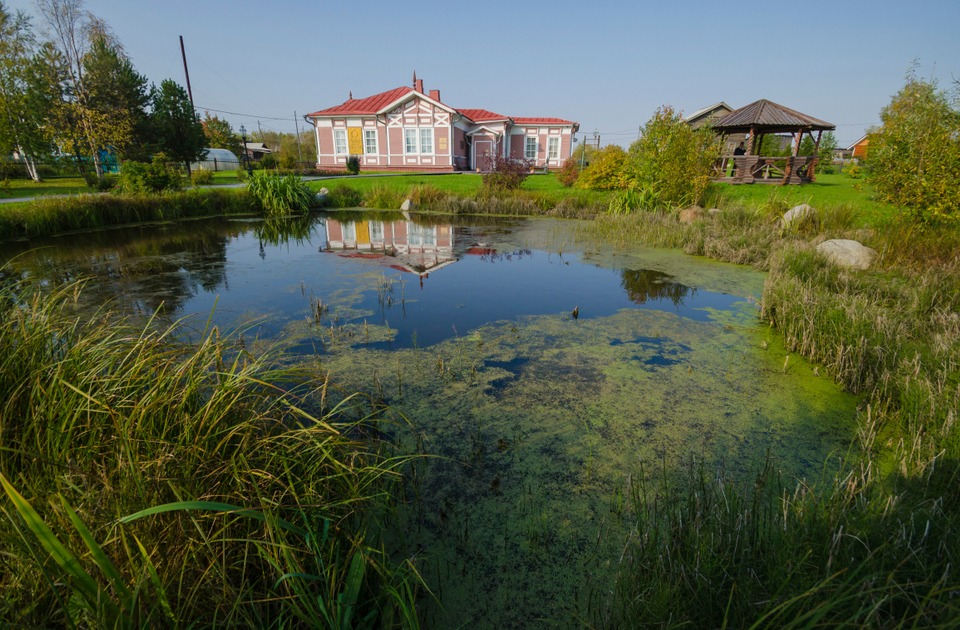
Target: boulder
column 691, row 214
column 321, row 195
column 847, row 253
column 713, row 211
column 407, row 205
column 797, row 214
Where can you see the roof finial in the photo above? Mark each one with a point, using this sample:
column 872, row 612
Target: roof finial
column 351, row 95
column 414, row 79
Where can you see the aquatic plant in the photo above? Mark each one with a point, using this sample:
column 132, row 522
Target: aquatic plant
column 147, row 482
column 280, row 194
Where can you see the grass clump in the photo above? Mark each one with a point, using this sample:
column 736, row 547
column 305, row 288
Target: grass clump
column 280, row 194
column 153, row 483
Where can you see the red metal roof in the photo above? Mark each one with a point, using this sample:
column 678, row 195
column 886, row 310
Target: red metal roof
column 482, row 115
column 365, row 106
column 543, row 121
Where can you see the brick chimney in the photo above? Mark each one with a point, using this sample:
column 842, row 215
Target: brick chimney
column 419, row 86
column 435, row 95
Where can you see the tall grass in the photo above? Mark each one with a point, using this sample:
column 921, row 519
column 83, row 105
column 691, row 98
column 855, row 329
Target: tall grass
column 65, row 214
column 280, row 194
column 152, row 483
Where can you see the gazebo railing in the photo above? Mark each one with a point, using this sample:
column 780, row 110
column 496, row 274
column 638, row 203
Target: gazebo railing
column 756, row 169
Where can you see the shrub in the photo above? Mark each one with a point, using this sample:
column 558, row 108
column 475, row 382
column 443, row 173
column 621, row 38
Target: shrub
column 384, row 197
column 280, row 194
column 854, row 171
column 107, row 183
column 569, row 173
column 90, row 179
column 605, row 171
column 673, row 158
column 5, row 186
column 140, row 178
column 342, row 196
column 241, row 175
column 267, row 161
column 287, row 162
column 507, row 173
column 353, row 165
column 202, row 177
column 915, row 154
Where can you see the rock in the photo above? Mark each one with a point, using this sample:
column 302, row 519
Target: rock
column 407, row 205
column 321, row 195
column 713, row 211
column 691, row 214
column 797, row 214
column 846, row 253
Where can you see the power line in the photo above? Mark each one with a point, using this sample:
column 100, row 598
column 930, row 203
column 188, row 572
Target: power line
column 221, row 111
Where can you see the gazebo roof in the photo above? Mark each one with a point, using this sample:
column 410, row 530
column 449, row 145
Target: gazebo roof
column 769, row 117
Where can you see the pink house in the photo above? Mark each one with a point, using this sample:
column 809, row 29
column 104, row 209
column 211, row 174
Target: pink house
column 406, row 129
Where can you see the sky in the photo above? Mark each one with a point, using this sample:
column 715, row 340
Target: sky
column 606, row 65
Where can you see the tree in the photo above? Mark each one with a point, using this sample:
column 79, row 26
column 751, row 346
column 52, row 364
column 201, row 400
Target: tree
column 606, row 170
column 220, row 135
column 176, row 125
column 828, row 143
column 672, row 158
column 116, row 102
column 30, row 92
column 914, row 155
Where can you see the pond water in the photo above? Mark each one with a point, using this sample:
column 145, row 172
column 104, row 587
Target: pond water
column 538, row 366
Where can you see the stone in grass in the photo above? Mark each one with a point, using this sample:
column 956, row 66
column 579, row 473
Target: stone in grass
column 847, row 253
column 691, row 214
column 798, row 214
column 407, row 205
column 322, row 194
column 713, row 211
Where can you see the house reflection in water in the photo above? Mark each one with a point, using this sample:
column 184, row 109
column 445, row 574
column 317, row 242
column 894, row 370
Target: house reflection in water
column 418, row 249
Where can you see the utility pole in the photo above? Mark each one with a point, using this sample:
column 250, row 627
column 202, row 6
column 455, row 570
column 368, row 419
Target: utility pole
column 260, row 130
column 185, row 71
column 297, row 127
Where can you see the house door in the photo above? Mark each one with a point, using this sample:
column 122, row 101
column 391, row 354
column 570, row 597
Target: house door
column 483, row 154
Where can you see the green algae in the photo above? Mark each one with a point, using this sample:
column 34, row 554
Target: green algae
column 537, row 424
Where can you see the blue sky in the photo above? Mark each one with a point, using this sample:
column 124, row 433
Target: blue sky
column 606, row 65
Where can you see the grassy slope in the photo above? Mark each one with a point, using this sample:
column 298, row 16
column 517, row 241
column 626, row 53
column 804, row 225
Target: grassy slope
column 58, row 186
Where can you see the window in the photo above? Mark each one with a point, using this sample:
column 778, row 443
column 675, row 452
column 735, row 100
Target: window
column 370, row 141
column 553, row 148
column 530, row 148
column 376, row 231
column 340, row 141
column 426, row 141
column 414, row 139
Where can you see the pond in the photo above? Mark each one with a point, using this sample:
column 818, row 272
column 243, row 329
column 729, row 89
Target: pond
column 541, row 370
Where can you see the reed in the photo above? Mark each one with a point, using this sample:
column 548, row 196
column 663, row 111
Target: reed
column 66, row 214
column 150, row 482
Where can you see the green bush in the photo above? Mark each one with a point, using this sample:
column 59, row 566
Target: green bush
column 107, row 183
column 90, row 179
column 342, row 196
column 241, row 175
column 914, row 154
column 674, row 159
column 287, row 162
column 267, row 161
column 353, row 165
column 202, row 177
column 139, row 178
column 605, row 171
column 279, row 194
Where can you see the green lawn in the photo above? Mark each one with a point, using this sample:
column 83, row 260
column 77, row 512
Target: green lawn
column 828, row 190
column 58, row 186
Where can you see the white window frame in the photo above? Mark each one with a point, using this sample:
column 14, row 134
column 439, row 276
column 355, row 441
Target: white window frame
column 340, row 142
column 368, row 135
column 526, row 147
column 426, row 141
column 553, row 152
column 410, row 141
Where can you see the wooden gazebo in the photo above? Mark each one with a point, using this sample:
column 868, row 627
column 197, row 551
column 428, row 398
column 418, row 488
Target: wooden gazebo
column 758, row 119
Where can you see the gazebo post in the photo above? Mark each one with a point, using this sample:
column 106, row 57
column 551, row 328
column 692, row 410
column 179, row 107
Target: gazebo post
column 753, row 141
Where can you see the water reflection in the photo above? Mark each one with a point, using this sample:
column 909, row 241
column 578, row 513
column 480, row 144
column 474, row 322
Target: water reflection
column 254, row 267
column 643, row 284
